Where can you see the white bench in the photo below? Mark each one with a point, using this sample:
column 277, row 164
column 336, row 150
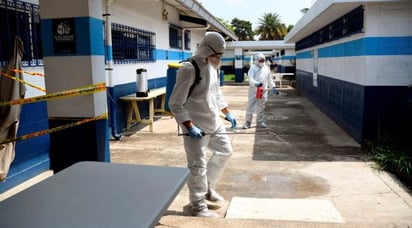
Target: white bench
column 278, row 77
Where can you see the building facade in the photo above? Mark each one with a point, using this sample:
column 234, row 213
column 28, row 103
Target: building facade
column 70, row 45
column 353, row 60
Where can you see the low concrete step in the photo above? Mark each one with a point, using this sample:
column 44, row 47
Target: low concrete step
column 195, row 222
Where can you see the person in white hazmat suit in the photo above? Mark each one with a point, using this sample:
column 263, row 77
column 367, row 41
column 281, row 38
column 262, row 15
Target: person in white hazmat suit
column 199, row 115
column 259, row 76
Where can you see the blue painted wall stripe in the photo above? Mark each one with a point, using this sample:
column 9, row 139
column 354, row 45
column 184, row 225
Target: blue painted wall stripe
column 47, row 36
column 94, row 37
column 162, row 54
column 109, row 53
column 89, row 37
column 365, row 47
column 227, row 59
column 285, row 57
column 304, row 55
column 31, row 155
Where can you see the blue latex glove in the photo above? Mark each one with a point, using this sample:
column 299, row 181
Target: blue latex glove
column 195, row 132
column 258, row 84
column 229, row 117
column 274, row 91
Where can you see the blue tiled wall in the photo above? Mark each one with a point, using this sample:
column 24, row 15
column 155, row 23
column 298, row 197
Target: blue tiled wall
column 31, row 155
column 362, row 111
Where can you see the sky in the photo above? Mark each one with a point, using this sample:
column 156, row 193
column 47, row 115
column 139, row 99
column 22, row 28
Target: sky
column 251, row 10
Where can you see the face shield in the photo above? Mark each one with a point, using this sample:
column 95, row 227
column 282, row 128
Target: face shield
column 212, row 44
column 260, row 59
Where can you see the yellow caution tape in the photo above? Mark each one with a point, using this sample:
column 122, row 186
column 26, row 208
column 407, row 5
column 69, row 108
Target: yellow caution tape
column 26, row 72
column 59, row 128
column 64, row 94
column 99, row 87
column 24, row 82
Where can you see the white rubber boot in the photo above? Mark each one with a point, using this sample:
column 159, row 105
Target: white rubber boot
column 199, row 209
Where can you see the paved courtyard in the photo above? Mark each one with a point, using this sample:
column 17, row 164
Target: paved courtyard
column 303, row 171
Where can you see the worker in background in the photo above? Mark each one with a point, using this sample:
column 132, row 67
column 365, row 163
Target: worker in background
column 260, row 81
column 198, row 113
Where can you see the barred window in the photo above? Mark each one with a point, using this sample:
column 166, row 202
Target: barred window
column 132, row 45
column 20, row 19
column 346, row 25
column 187, row 40
column 175, row 36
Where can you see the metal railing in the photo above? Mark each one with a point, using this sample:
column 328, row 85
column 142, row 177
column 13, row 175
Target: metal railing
column 20, row 19
column 344, row 26
column 132, row 45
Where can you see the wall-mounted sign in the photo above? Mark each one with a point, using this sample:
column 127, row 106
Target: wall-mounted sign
column 315, row 67
column 64, row 37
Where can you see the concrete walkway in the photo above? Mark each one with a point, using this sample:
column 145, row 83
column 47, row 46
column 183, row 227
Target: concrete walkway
column 303, row 171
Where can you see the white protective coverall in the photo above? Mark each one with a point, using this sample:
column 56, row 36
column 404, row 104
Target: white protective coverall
column 203, row 107
column 258, row 73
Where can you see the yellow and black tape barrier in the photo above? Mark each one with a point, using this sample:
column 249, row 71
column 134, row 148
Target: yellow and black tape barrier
column 23, row 82
column 26, row 72
column 59, row 128
column 99, row 87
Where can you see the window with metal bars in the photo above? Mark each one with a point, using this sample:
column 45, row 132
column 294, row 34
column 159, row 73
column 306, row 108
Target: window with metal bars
column 187, row 40
column 20, row 19
column 132, row 45
column 175, row 36
column 344, row 26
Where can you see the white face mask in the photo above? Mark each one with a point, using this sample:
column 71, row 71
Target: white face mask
column 261, row 64
column 212, row 67
column 214, row 61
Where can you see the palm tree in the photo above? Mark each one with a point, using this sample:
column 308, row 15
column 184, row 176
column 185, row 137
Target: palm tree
column 270, row 27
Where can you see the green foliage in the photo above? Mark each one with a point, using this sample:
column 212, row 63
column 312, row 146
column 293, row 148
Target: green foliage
column 226, row 24
column 271, row 27
column 290, row 27
column 229, row 77
column 242, row 29
column 404, row 164
column 388, row 157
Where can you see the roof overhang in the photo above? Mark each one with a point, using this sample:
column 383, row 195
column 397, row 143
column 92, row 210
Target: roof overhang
column 260, row 45
column 194, row 11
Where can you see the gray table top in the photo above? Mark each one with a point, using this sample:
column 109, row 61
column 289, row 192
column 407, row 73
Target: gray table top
column 96, row 194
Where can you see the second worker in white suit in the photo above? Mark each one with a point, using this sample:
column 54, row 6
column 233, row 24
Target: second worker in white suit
column 259, row 76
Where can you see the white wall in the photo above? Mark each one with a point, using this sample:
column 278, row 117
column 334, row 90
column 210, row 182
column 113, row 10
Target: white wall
column 388, row 19
column 34, row 80
column 147, row 15
column 286, row 62
column 381, row 20
column 142, row 14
